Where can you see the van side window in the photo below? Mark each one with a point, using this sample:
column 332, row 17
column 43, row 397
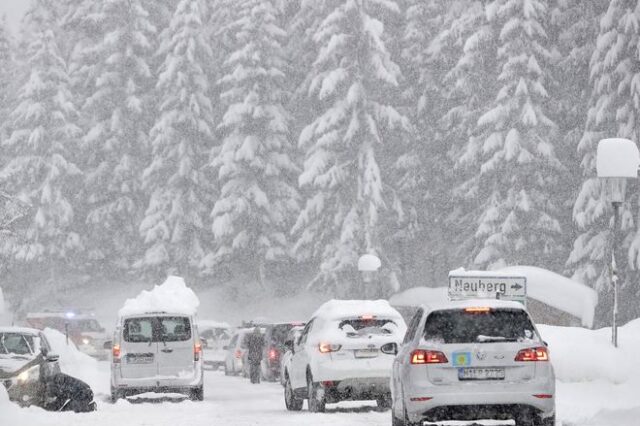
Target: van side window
column 413, row 326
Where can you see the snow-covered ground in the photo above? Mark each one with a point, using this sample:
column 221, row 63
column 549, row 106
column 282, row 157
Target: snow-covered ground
column 597, row 386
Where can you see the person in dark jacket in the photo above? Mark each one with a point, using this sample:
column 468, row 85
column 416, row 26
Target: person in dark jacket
column 255, row 344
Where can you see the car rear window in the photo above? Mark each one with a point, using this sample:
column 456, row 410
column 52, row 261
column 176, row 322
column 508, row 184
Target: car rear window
column 157, row 329
column 496, row 325
column 355, row 327
column 279, row 333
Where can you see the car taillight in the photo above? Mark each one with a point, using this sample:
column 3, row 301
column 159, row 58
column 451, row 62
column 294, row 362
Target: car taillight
column 238, row 354
column 197, row 351
column 533, row 354
column 115, row 352
column 273, row 354
column 328, row 347
column 421, row 356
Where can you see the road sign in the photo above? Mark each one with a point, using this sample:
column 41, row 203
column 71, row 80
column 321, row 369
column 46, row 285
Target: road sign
column 463, row 287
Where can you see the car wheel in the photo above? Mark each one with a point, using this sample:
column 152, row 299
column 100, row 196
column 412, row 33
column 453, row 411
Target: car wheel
column 197, row 394
column 548, row 421
column 226, row 371
column 290, row 401
column 396, row 421
column 316, row 401
column 115, row 395
column 384, row 402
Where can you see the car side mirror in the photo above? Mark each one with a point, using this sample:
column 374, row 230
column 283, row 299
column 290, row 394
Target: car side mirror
column 52, row 357
column 389, row 349
column 107, row 344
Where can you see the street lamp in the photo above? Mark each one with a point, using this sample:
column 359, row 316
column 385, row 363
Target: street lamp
column 616, row 160
column 368, row 265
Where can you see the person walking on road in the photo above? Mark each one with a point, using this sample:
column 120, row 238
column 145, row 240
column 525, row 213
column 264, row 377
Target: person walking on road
column 255, row 343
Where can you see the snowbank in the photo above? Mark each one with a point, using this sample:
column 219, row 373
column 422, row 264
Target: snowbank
column 77, row 364
column 171, row 296
column 580, row 355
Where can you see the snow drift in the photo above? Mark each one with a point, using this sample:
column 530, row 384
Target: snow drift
column 171, row 296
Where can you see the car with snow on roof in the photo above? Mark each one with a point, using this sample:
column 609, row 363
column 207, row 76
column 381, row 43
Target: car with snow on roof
column 156, row 347
column 274, row 348
column 473, row 360
column 344, row 353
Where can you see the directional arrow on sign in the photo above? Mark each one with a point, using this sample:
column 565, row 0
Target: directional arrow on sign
column 516, row 287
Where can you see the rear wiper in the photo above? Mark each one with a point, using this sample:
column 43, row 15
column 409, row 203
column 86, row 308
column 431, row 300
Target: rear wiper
column 490, row 339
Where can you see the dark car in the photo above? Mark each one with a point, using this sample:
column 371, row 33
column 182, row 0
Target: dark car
column 274, row 348
column 31, row 373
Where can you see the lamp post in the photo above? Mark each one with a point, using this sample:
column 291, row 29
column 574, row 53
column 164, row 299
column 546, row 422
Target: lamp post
column 368, row 265
column 616, row 160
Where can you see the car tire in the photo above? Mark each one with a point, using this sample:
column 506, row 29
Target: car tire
column 316, row 398
column 226, row 371
column 548, row 421
column 396, row 421
column 384, row 402
column 115, row 395
column 197, row 394
column 290, row 401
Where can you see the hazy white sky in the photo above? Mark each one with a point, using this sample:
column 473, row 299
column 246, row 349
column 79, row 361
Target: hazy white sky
column 14, row 10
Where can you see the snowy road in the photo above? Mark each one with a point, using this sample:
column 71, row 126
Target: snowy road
column 234, row 401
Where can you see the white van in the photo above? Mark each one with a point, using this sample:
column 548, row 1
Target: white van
column 156, row 352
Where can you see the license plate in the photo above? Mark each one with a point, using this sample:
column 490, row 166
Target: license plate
column 139, row 358
column 366, row 353
column 481, row 373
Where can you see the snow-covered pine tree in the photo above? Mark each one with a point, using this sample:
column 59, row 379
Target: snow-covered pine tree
column 41, row 170
column 432, row 42
column 519, row 173
column 613, row 112
column 7, row 68
column 258, row 198
column 114, row 81
column 353, row 83
column 471, row 87
column 174, row 226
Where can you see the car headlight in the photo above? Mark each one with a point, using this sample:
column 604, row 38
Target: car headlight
column 85, row 341
column 30, row 375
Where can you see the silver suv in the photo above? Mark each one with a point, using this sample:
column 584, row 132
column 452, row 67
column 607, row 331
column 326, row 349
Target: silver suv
column 473, row 360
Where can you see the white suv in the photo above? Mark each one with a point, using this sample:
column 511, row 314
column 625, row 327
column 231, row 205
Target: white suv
column 345, row 352
column 473, row 360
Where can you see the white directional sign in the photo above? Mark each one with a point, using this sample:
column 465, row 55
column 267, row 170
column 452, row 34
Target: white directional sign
column 464, row 286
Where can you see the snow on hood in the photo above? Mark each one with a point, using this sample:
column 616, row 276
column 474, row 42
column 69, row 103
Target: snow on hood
column 171, row 296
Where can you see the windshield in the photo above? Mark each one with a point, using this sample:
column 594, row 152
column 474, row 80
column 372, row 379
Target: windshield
column 17, row 343
column 458, row 326
column 157, row 329
column 361, row 327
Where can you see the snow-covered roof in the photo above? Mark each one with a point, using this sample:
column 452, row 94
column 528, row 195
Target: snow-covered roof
column 335, row 309
column 544, row 286
column 173, row 296
column 558, row 291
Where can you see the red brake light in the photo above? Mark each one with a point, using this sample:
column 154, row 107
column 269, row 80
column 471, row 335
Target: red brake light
column 367, row 317
column 478, row 310
column 533, row 354
column 115, row 352
column 273, row 354
column 421, row 356
column 328, row 347
column 238, row 354
column 197, row 351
